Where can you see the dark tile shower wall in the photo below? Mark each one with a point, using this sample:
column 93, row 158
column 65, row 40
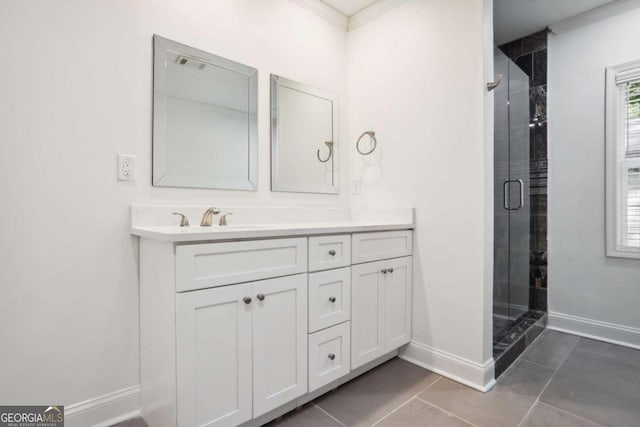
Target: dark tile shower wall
column 530, row 54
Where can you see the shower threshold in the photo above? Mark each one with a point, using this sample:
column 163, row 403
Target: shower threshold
column 512, row 341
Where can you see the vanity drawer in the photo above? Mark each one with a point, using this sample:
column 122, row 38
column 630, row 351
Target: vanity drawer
column 216, row 264
column 327, row 252
column 329, row 355
column 376, row 246
column 329, row 298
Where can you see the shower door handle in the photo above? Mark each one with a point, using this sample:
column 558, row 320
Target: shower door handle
column 506, row 190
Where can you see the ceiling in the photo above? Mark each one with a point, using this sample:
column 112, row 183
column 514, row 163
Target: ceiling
column 513, row 19
column 349, row 7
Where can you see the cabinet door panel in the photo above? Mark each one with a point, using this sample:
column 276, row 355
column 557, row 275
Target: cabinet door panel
column 366, row 293
column 214, row 357
column 396, row 303
column 279, row 341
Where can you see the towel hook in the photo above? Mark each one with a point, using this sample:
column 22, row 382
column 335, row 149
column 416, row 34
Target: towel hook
column 372, row 134
column 330, row 145
column 491, row 86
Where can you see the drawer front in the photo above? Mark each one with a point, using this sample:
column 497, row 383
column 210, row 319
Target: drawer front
column 329, row 252
column 217, row 264
column 329, row 298
column 376, row 246
column 329, row 355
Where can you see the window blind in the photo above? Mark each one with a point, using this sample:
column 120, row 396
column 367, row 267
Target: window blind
column 632, row 119
column 631, row 211
column 631, row 166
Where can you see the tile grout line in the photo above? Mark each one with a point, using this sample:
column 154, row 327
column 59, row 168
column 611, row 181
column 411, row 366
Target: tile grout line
column 408, row 400
column 331, row 416
column 447, row 412
column 570, row 413
column 394, row 411
column 564, row 359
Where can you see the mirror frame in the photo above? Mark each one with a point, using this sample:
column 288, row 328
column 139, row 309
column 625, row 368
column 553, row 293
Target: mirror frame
column 163, row 45
column 276, row 185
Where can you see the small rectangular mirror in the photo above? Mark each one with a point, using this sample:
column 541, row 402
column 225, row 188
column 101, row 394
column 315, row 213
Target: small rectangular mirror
column 304, row 146
column 204, row 119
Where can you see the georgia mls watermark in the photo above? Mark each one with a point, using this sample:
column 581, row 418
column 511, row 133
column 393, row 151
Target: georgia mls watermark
column 32, row 416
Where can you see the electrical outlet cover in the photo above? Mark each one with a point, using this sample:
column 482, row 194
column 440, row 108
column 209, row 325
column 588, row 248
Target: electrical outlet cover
column 126, row 167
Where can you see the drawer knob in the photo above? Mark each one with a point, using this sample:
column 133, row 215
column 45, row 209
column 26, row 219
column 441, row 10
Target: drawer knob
column 247, row 300
column 332, row 299
column 332, row 252
column 390, row 270
column 260, row 297
column 332, row 356
column 384, row 271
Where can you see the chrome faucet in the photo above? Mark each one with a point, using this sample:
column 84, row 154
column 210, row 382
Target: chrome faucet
column 223, row 219
column 208, row 216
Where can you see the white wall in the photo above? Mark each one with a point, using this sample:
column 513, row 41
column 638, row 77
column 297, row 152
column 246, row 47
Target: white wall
column 588, row 292
column 75, row 90
column 416, row 77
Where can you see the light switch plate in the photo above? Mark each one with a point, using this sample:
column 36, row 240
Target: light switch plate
column 126, row 167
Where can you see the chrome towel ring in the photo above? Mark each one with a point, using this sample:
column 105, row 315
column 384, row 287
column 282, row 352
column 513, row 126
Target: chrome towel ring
column 330, row 145
column 372, row 134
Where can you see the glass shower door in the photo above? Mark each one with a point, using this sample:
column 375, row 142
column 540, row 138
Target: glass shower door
column 511, row 195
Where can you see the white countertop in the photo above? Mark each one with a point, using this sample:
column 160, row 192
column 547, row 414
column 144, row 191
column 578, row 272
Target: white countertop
column 173, row 233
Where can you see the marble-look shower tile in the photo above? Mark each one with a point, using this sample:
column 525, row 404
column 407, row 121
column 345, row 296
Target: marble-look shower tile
column 534, row 42
column 540, row 68
column 526, row 64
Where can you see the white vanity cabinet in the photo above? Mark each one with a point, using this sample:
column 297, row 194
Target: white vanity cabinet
column 380, row 296
column 239, row 332
column 240, row 347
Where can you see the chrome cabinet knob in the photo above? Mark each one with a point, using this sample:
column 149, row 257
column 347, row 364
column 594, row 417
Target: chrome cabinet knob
column 332, row 252
column 247, row 300
column 260, row 297
column 332, row 356
column 390, row 270
column 332, row 299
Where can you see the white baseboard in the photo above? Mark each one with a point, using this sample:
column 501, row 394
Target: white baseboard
column 595, row 329
column 104, row 410
column 475, row 375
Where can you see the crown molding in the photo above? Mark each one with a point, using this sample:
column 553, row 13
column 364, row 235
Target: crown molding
column 371, row 12
column 325, row 12
column 594, row 15
column 333, row 16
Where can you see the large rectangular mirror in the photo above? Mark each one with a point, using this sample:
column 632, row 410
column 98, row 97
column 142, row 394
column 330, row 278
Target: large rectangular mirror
column 204, row 119
column 304, row 146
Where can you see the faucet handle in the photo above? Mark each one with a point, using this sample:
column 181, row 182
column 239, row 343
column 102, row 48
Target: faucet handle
column 223, row 218
column 184, row 221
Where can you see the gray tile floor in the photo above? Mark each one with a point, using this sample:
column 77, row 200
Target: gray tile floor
column 560, row 381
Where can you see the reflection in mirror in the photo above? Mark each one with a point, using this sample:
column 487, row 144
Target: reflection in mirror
column 204, row 119
column 304, row 144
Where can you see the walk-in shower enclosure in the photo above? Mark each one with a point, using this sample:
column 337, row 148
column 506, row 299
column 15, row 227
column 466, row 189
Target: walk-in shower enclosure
column 512, row 209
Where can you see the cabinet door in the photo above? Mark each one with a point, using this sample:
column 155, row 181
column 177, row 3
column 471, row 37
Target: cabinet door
column 366, row 322
column 396, row 303
column 279, row 341
column 213, row 334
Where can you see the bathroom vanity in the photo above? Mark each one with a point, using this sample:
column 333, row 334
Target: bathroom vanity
column 242, row 324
